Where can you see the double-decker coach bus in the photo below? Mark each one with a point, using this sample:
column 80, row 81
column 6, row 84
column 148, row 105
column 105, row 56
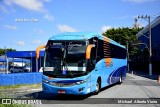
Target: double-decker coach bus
column 80, row 63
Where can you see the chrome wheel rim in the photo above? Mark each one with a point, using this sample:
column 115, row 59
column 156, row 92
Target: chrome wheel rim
column 120, row 80
column 97, row 87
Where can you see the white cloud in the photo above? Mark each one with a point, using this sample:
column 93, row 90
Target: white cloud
column 139, row 1
column 48, row 17
column 105, row 28
column 66, row 28
column 140, row 25
column 32, row 5
column 10, row 27
column 21, row 43
column 3, row 9
column 35, row 5
column 36, row 42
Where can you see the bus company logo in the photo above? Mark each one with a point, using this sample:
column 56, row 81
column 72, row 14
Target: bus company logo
column 109, row 64
column 71, row 45
column 6, row 101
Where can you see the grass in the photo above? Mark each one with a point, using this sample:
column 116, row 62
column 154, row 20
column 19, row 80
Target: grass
column 14, row 105
column 5, row 95
column 10, row 93
column 20, row 86
column 13, row 91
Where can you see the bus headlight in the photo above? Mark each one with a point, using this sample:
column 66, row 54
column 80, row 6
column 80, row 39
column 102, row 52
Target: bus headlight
column 81, row 82
column 45, row 81
column 52, row 83
column 48, row 82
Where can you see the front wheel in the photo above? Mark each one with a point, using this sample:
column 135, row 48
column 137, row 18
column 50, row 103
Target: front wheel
column 98, row 87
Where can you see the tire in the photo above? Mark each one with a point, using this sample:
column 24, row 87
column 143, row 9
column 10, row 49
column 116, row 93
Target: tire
column 11, row 71
column 120, row 79
column 98, row 87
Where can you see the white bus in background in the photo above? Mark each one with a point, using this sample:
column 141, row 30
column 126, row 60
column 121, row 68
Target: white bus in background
column 16, row 67
column 17, row 64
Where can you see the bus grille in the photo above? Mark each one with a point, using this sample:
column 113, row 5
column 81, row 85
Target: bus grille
column 62, row 84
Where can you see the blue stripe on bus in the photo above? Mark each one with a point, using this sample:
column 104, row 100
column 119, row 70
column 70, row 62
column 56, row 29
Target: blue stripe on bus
column 115, row 75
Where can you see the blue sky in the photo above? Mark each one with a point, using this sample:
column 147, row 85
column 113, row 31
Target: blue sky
column 27, row 24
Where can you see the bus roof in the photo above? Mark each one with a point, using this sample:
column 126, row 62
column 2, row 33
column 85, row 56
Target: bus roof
column 74, row 36
column 81, row 36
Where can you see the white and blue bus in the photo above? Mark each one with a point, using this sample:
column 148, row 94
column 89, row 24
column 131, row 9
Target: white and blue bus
column 80, row 63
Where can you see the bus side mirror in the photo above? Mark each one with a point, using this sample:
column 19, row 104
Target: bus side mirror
column 88, row 51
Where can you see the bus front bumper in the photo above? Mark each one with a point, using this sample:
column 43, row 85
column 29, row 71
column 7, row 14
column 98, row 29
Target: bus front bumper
column 80, row 89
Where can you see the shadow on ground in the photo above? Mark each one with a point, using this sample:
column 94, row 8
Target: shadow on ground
column 44, row 96
column 143, row 74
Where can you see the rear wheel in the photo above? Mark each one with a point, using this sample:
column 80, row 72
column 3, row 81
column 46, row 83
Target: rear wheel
column 120, row 79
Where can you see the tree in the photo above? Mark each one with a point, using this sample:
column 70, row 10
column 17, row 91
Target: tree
column 124, row 35
column 2, row 51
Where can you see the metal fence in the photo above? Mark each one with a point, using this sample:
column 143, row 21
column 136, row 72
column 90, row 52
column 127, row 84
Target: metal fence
column 20, row 78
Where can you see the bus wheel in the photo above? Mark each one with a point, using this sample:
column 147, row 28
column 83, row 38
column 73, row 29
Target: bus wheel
column 98, row 87
column 120, row 79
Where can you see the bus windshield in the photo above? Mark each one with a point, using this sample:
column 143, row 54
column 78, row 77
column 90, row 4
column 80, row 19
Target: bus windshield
column 65, row 59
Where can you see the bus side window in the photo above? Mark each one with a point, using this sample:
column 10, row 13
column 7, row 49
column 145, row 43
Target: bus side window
column 93, row 56
column 93, row 59
column 101, row 49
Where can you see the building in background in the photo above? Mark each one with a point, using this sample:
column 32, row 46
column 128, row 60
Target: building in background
column 20, row 59
column 141, row 61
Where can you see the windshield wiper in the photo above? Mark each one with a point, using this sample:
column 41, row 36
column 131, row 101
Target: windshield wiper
column 71, row 73
column 65, row 63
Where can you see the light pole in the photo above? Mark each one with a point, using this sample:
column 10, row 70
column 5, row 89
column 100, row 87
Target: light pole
column 31, row 62
column 127, row 57
column 150, row 42
column 5, row 60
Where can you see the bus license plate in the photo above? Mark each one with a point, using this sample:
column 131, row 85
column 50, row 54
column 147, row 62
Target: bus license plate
column 61, row 92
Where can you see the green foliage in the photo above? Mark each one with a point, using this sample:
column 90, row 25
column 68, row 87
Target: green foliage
column 124, row 36
column 2, row 51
